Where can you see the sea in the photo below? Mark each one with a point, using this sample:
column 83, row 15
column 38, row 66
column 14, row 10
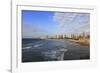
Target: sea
column 37, row 50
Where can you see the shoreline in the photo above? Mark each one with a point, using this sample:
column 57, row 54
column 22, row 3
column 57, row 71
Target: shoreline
column 84, row 42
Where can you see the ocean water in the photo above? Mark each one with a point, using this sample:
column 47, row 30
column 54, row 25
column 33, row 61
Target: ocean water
column 37, row 50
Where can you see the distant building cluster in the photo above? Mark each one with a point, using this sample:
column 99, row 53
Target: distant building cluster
column 57, row 37
column 82, row 35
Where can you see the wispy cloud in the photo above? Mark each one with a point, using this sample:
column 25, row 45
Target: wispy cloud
column 63, row 18
column 71, row 22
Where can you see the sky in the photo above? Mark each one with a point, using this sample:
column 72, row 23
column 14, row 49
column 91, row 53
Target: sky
column 37, row 24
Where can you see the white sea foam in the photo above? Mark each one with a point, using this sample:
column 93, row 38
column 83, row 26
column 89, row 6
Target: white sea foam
column 55, row 54
column 27, row 47
column 37, row 45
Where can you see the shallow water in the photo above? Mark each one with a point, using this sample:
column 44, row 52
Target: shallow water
column 35, row 50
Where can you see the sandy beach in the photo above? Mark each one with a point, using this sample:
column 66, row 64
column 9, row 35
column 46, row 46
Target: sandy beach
column 85, row 42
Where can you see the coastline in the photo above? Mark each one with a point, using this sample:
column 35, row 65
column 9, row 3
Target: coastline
column 84, row 42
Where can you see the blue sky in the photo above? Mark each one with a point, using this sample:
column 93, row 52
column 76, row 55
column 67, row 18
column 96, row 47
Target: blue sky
column 41, row 23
